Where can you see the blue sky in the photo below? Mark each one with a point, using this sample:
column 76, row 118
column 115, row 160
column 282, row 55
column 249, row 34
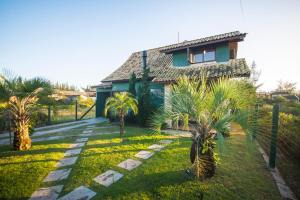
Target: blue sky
column 81, row 42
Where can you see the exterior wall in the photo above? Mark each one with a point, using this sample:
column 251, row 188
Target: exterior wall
column 100, row 102
column 157, row 95
column 180, row 59
column 222, row 53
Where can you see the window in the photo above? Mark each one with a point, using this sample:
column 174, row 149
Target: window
column 204, row 56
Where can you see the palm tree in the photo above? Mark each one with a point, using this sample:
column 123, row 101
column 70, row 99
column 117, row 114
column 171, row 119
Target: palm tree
column 212, row 107
column 20, row 110
column 119, row 105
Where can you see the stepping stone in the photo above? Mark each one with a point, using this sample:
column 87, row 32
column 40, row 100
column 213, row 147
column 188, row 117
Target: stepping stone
column 47, row 193
column 57, row 175
column 72, row 152
column 66, row 162
column 86, row 134
column 82, row 139
column 129, row 164
column 80, row 193
column 165, row 141
column 156, row 147
column 107, row 178
column 144, row 154
column 76, row 145
column 87, row 131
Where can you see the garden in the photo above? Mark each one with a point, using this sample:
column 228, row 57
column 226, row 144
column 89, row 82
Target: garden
column 216, row 159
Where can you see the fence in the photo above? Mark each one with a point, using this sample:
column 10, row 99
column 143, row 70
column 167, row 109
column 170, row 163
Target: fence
column 53, row 114
column 277, row 129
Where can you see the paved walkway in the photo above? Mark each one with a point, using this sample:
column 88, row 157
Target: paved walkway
column 56, row 129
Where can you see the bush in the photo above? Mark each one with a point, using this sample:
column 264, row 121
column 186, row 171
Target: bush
column 39, row 119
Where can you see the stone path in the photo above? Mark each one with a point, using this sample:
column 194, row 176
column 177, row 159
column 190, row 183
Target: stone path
column 57, row 128
column 109, row 177
column 156, row 147
column 66, row 161
column 76, row 145
column 51, row 193
column 57, row 175
column 130, row 164
column 47, row 193
column 144, row 154
column 72, row 152
column 80, row 193
column 106, row 179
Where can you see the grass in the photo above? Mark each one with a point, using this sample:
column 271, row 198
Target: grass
column 242, row 173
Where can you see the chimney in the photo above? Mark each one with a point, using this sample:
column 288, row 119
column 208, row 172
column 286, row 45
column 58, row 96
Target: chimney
column 144, row 59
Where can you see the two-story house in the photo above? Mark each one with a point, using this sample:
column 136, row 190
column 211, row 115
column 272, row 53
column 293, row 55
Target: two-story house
column 216, row 54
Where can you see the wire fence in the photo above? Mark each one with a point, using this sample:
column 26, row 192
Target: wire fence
column 285, row 142
column 53, row 114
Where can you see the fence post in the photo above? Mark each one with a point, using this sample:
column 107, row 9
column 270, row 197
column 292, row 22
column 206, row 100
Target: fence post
column 255, row 121
column 49, row 114
column 273, row 145
column 76, row 109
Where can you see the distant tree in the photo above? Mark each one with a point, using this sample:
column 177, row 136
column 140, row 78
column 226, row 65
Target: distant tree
column 255, row 73
column 286, row 86
column 132, row 82
column 145, row 107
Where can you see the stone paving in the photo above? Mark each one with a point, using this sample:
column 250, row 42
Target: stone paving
column 144, row 154
column 47, row 193
column 106, row 179
column 129, row 164
column 66, row 161
column 80, row 193
column 57, row 175
column 156, row 147
column 82, row 139
column 76, row 145
column 109, row 177
column 72, row 152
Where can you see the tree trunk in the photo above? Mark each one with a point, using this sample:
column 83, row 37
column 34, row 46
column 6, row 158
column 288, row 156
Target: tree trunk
column 205, row 165
column 22, row 140
column 122, row 125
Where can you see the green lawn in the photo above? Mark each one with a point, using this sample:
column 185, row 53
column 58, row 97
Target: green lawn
column 242, row 173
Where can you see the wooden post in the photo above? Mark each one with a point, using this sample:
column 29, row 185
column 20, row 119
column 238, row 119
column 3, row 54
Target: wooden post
column 49, row 114
column 9, row 128
column 255, row 121
column 76, row 109
column 273, row 145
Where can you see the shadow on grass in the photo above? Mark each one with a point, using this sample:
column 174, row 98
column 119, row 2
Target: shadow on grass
column 146, row 184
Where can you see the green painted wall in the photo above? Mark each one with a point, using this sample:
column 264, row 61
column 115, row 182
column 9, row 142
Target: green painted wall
column 180, row 59
column 222, row 53
column 100, row 103
column 157, row 95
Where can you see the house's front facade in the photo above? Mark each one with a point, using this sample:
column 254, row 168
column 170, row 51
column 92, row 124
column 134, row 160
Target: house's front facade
column 216, row 54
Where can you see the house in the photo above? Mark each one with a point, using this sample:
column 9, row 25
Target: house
column 216, row 54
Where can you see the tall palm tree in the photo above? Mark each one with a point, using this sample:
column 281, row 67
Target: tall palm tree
column 20, row 111
column 119, row 105
column 212, row 107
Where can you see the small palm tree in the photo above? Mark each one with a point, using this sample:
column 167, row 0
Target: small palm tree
column 20, row 111
column 119, row 105
column 212, row 107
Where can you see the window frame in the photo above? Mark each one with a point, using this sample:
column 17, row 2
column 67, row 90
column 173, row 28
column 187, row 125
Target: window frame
column 202, row 52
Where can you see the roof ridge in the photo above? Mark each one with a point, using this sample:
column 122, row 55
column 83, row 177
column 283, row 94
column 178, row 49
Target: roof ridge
column 187, row 41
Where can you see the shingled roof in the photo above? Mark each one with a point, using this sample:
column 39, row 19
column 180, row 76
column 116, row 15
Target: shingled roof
column 162, row 69
column 232, row 36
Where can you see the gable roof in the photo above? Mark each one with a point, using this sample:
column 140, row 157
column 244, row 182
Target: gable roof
column 162, row 69
column 232, row 36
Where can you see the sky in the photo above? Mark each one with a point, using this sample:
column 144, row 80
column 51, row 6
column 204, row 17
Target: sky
column 82, row 42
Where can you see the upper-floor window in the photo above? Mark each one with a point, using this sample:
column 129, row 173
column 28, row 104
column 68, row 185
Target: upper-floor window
column 204, row 56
